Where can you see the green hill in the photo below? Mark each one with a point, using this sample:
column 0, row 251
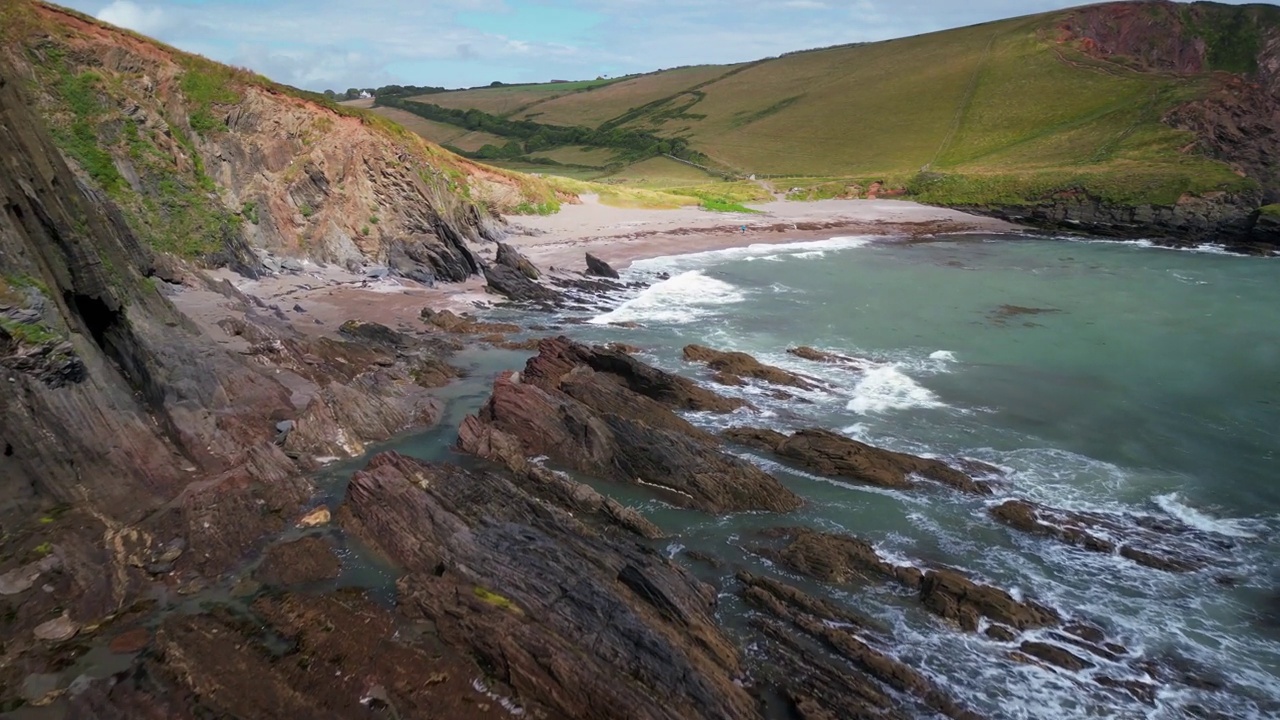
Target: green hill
column 1092, row 99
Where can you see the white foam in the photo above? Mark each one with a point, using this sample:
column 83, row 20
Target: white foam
column 758, row 251
column 677, row 300
column 943, row 355
column 887, row 388
column 1172, row 504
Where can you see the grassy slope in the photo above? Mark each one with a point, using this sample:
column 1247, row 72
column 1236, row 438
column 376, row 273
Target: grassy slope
column 1002, row 109
column 179, row 209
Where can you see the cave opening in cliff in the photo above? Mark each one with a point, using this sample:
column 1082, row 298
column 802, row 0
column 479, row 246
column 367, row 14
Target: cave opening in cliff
column 8, row 450
column 98, row 317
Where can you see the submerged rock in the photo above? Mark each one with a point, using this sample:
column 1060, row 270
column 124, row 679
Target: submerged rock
column 805, row 352
column 600, row 268
column 1158, row 546
column 829, row 453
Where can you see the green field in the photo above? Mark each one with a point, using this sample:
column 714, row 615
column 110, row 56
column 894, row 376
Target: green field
column 995, row 112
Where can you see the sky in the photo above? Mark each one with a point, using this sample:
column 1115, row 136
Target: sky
column 338, row 44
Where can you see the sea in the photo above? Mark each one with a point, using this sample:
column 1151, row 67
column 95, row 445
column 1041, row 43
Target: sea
column 1121, row 379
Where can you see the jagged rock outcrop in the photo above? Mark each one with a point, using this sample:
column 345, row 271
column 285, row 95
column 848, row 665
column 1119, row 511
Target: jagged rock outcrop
column 731, row 367
column 164, row 459
column 600, row 417
column 828, row 453
column 557, row 357
column 210, row 162
column 571, row 622
column 830, row 662
column 600, row 268
column 509, row 256
column 512, row 283
column 1155, row 543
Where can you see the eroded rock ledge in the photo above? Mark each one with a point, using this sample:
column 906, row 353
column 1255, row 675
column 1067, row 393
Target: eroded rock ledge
column 828, row 453
column 602, row 412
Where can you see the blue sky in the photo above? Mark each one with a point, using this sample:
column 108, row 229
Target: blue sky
column 319, row 44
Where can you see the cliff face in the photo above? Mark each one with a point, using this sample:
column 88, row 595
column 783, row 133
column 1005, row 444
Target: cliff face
column 214, row 164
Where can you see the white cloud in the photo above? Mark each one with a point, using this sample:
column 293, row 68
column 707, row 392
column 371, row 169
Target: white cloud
column 148, row 21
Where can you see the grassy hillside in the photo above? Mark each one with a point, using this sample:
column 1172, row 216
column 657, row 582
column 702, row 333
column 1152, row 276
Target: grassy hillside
column 188, row 151
column 1000, row 112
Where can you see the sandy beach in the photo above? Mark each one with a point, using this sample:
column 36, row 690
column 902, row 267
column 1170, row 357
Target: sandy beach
column 621, row 236
column 321, row 298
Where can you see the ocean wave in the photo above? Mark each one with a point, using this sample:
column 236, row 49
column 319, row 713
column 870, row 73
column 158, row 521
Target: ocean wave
column 943, row 355
column 757, row 251
column 678, row 300
column 1172, row 504
column 887, row 388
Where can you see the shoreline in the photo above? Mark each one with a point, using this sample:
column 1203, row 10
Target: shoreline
column 320, row 298
column 621, row 236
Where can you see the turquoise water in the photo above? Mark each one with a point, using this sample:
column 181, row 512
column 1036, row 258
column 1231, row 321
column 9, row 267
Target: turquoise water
column 1103, row 377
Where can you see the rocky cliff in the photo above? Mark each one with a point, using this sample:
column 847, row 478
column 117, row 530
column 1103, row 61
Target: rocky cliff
column 216, row 165
column 1231, row 57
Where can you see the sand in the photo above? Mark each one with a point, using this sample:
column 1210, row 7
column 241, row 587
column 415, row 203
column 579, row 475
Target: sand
column 321, row 298
column 621, row 236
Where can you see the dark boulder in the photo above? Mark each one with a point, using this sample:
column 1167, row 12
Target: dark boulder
column 513, row 284
column 509, row 256
column 600, row 268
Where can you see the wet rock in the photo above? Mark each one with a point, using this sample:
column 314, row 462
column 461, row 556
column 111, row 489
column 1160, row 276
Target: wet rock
column 740, row 364
column 1152, row 547
column 575, row 622
column 170, row 553
column 515, row 285
column 451, row 322
column 130, row 641
column 41, row 689
column 861, row 680
column 431, row 372
column 828, row 453
column 807, row 353
column 1055, row 655
column 79, row 685
column 373, row 333
column 19, row 580
column 600, row 268
column 835, row 558
column 558, row 356
column 308, row 559
column 57, row 630
column 509, row 256
column 315, row 518
column 653, row 450
column 956, row 597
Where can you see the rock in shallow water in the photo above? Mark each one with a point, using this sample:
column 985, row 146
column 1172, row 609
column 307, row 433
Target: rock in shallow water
column 603, row 412
column 832, row 454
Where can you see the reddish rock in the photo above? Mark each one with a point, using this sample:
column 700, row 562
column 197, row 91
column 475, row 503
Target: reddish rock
column 737, row 365
column 130, row 641
column 828, row 453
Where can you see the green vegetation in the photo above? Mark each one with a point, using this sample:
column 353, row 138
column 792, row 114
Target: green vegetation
column 306, row 210
column 207, row 84
column 28, row 333
column 497, row 600
column 78, row 138
column 550, row 207
column 1002, row 112
column 249, row 211
column 1270, row 210
column 717, row 205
